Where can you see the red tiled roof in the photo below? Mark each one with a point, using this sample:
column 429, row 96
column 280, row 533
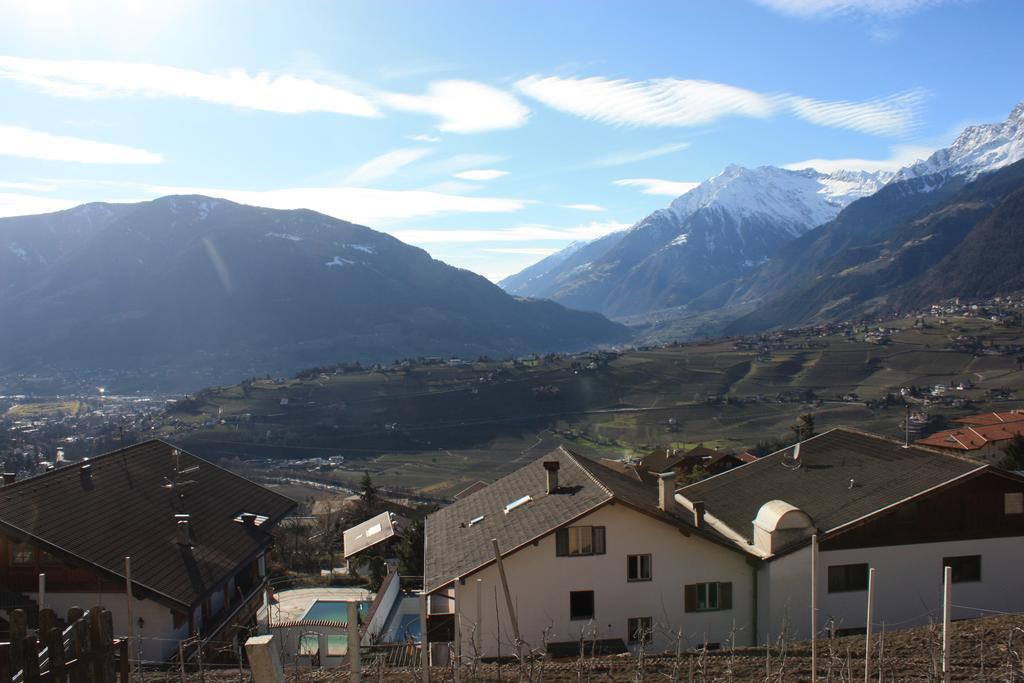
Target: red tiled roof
column 993, row 418
column 971, row 438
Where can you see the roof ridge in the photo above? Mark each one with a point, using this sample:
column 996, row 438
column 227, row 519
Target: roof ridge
column 593, row 477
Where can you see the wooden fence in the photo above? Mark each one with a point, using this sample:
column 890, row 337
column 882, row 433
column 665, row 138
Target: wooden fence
column 85, row 651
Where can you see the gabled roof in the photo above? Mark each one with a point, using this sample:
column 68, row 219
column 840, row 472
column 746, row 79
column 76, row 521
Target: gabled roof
column 631, row 470
column 842, row 475
column 458, row 537
column 123, row 507
column 993, row 418
column 972, row 438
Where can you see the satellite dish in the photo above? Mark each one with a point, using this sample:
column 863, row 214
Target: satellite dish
column 791, row 459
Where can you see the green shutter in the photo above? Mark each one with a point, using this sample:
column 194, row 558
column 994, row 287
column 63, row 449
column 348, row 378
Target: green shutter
column 725, row 596
column 690, row 597
column 562, row 542
column 599, row 540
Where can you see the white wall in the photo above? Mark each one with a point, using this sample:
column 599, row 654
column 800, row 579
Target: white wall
column 908, row 585
column 540, row 584
column 158, row 637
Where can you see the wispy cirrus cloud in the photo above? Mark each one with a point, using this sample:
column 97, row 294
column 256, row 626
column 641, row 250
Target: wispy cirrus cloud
column 673, row 102
column 658, row 186
column 17, row 204
column 424, row 137
column 94, row 79
column 900, row 156
column 596, row 208
column 463, row 106
column 519, row 233
column 357, row 204
column 525, row 251
column 481, row 174
column 28, row 187
column 386, row 164
column 631, row 157
column 808, row 9
column 33, row 144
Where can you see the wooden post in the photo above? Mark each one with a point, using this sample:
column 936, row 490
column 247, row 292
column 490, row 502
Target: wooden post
column 5, row 663
column 19, row 630
column 457, row 670
column 353, row 642
column 42, row 591
column 871, row 616
column 814, row 608
column 126, row 662
column 181, row 660
column 424, row 639
column 947, row 605
column 132, row 643
column 55, row 648
column 47, row 620
column 508, row 599
column 101, row 629
column 30, row 659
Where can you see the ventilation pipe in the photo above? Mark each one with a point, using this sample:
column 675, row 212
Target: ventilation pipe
column 551, row 467
column 667, row 492
column 249, row 518
column 9, row 478
column 184, row 524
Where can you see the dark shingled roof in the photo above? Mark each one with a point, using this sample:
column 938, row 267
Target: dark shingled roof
column 883, row 472
column 454, row 549
column 123, row 509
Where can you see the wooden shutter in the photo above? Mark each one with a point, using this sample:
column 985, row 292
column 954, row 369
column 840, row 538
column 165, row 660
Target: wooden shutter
column 562, row 542
column 725, row 596
column 599, row 540
column 690, row 597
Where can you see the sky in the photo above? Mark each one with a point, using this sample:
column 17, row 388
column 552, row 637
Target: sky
column 489, row 133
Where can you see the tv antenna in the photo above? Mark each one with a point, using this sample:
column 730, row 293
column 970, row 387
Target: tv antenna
column 791, row 458
column 176, row 482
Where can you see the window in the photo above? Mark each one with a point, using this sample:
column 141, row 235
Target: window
column 579, row 540
column 337, row 646
column 1013, row 503
column 49, row 560
column 639, row 629
column 707, row 597
column 845, row 578
column 638, row 567
column 965, row 568
column 581, row 605
column 23, row 554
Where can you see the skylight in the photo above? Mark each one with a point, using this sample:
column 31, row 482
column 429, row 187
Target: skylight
column 260, row 519
column 477, row 520
column 516, row 503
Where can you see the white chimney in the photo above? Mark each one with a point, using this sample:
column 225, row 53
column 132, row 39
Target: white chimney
column 551, row 467
column 667, row 492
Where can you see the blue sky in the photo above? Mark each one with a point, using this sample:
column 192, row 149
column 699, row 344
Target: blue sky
column 489, row 133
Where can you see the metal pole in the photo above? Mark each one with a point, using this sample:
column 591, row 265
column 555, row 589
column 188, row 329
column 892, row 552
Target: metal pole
column 181, row 659
column 42, row 591
column 814, row 608
column 871, row 616
column 353, row 642
column 424, row 639
column 947, row 600
column 508, row 599
column 478, row 631
column 457, row 670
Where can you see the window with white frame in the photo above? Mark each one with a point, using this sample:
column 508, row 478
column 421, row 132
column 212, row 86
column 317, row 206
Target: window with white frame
column 638, row 567
column 579, row 540
column 640, row 629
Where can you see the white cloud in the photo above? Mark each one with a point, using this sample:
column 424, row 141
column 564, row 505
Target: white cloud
column 526, row 251
column 14, row 204
column 30, row 187
column 901, row 155
column 460, row 162
column 584, row 207
column 520, row 233
column 423, row 137
column 825, row 8
column 284, row 93
column 657, row 186
column 622, row 158
column 463, row 106
column 357, row 204
column 481, row 174
column 671, row 102
column 31, row 144
column 386, row 164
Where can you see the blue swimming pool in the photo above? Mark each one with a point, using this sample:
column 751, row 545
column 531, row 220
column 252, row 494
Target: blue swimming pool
column 334, row 610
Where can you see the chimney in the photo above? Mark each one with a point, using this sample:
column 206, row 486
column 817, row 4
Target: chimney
column 249, row 518
column 551, row 467
column 184, row 530
column 667, row 492
column 698, row 514
column 85, row 469
column 9, row 478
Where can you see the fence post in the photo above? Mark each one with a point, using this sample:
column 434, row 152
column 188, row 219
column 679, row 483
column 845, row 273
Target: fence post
column 5, row 662
column 353, row 642
column 55, row 648
column 947, row 599
column 101, row 637
column 264, row 661
column 126, row 662
column 814, row 608
column 19, row 629
column 47, row 620
column 868, row 631
column 30, row 659
column 424, row 639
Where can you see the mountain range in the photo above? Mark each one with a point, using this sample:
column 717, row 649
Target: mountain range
column 752, row 249
column 187, row 285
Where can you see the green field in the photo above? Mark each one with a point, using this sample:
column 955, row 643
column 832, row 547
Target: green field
column 435, row 428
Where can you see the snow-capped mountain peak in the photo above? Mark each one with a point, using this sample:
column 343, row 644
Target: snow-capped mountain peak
column 977, row 149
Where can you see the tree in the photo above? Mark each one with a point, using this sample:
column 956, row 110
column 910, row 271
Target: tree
column 410, row 550
column 1013, row 454
column 369, row 496
column 804, row 427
